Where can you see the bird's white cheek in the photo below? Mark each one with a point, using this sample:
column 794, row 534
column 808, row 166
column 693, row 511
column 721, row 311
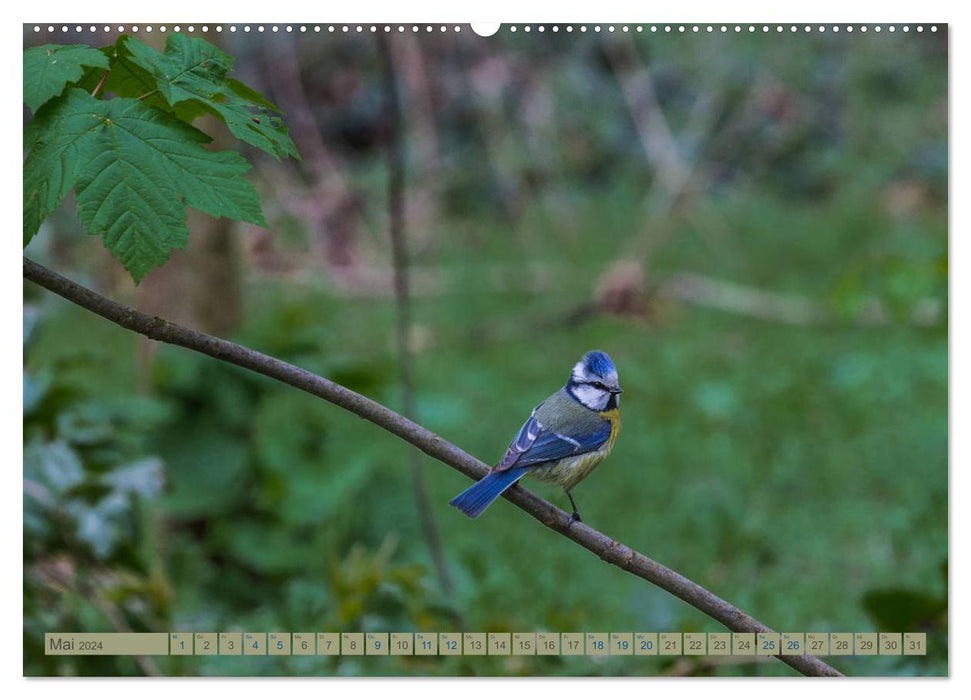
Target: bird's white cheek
column 591, row 397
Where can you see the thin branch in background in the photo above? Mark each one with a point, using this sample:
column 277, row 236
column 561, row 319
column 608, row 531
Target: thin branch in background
column 399, row 257
column 652, row 127
column 657, row 141
column 675, row 173
column 607, row 548
column 426, row 184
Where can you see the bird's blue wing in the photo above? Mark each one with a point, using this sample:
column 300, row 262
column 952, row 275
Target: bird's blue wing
column 550, row 446
column 521, row 443
column 536, row 444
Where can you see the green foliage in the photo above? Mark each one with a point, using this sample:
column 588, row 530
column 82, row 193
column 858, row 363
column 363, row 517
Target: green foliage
column 192, row 70
column 135, row 161
column 50, row 68
column 90, row 481
column 917, row 609
column 85, row 464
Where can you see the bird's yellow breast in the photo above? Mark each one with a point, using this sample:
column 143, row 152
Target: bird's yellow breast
column 614, row 417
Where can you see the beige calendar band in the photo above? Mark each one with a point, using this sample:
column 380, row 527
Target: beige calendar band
column 485, row 644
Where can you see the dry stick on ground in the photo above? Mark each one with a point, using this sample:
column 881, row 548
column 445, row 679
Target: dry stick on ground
column 402, row 296
column 608, row 549
column 743, row 300
column 674, row 172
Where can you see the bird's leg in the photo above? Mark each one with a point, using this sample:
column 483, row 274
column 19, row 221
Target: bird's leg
column 576, row 513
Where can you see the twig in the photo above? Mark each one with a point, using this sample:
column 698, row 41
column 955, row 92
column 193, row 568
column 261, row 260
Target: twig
column 608, row 549
column 652, row 127
column 794, row 309
column 675, row 173
column 402, row 295
column 97, row 88
column 743, row 300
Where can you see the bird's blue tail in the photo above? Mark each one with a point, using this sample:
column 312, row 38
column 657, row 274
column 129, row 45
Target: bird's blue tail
column 479, row 495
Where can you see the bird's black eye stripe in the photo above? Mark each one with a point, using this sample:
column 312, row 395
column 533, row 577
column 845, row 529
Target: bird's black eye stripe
column 596, row 385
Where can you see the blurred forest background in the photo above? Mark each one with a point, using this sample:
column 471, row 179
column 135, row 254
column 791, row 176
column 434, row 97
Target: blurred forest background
column 753, row 226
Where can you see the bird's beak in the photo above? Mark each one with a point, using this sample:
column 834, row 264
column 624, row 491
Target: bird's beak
column 618, row 390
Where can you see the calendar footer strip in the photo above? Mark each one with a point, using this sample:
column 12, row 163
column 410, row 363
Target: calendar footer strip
column 485, row 644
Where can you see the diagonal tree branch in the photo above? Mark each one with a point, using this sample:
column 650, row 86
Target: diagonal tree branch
column 608, row 549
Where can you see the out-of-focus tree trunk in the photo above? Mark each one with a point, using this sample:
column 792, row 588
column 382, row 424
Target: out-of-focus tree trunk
column 200, row 286
column 215, row 279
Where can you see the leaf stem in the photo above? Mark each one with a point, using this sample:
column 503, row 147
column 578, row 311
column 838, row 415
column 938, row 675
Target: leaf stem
column 147, row 94
column 97, row 88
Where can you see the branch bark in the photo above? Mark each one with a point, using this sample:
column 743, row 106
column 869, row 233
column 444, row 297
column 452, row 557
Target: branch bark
column 608, row 549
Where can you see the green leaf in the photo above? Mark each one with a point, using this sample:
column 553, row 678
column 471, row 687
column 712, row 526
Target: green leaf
column 101, row 525
column 206, row 468
column 193, row 70
column 189, row 69
column 128, row 79
column 144, row 477
column 53, row 465
column 256, row 126
column 209, row 181
column 902, row 609
column 50, row 68
column 124, row 193
column 58, row 137
column 132, row 167
column 134, row 163
column 245, row 92
column 145, row 160
column 288, row 433
column 212, row 182
column 125, row 77
column 268, row 549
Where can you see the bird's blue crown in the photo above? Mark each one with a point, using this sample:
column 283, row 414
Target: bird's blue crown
column 597, row 362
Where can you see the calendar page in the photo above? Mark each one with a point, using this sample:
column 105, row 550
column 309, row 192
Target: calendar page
column 462, row 350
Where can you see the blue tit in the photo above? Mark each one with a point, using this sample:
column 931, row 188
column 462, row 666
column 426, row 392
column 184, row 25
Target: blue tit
column 565, row 437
